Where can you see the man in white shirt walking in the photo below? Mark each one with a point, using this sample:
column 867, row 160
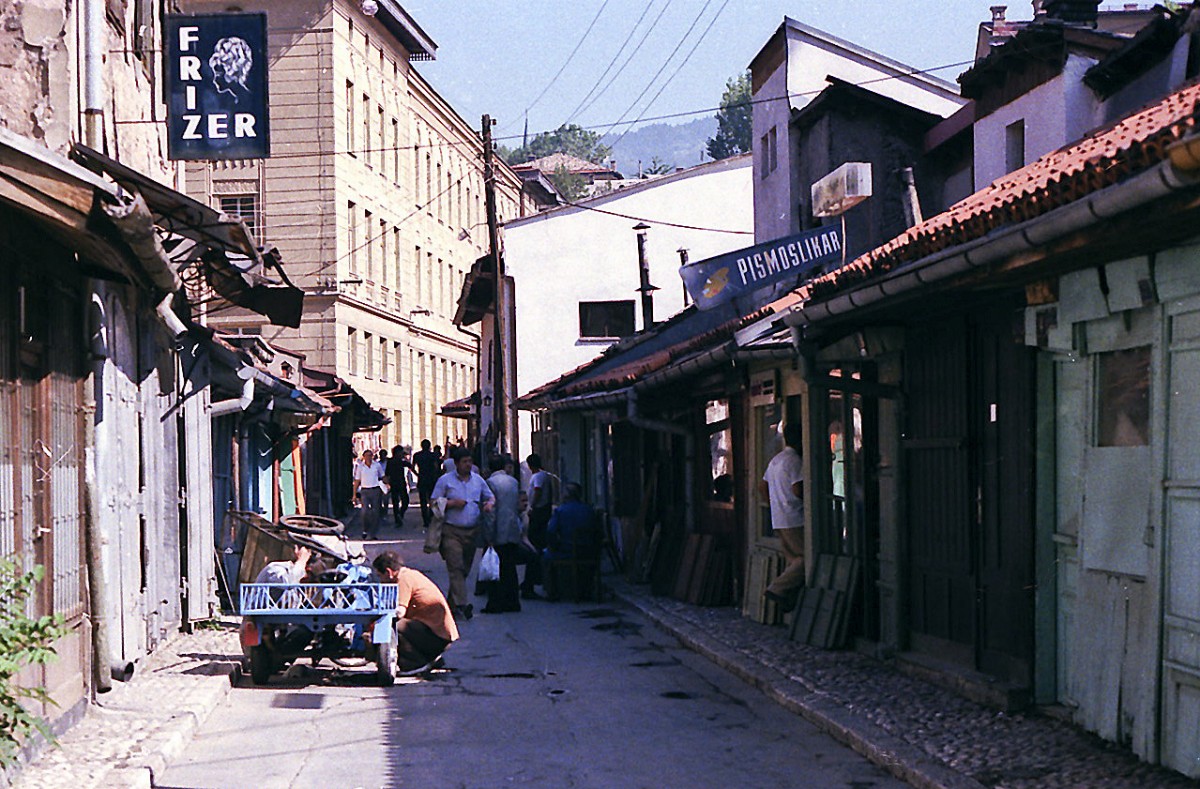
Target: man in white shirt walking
column 783, row 486
column 368, row 489
column 467, row 498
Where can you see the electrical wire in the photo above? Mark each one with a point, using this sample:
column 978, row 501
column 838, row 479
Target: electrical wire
column 665, row 223
column 666, row 62
column 571, row 115
column 674, row 74
column 570, row 57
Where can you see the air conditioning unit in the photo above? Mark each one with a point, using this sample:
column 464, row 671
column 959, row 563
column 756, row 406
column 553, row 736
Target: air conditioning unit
column 841, row 190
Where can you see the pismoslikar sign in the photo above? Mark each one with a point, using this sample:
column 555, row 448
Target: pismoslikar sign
column 216, row 79
column 725, row 277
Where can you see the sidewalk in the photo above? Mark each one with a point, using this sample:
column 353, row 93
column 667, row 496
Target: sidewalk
column 922, row 733
column 138, row 727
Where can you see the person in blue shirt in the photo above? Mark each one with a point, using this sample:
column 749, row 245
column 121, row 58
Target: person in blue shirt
column 467, row 496
column 572, row 526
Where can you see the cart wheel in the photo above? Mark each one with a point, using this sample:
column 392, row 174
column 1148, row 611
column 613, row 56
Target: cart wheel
column 312, row 524
column 386, row 661
column 260, row 665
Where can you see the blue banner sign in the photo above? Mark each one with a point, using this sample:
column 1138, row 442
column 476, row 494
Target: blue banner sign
column 216, row 79
column 725, row 277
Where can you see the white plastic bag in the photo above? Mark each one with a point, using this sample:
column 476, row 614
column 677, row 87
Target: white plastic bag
column 489, row 566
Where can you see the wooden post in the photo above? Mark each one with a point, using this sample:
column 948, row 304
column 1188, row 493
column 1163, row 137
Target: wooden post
column 499, row 406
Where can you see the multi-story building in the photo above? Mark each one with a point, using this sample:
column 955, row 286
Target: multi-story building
column 374, row 194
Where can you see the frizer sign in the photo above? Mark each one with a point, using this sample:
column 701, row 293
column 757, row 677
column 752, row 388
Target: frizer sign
column 216, row 75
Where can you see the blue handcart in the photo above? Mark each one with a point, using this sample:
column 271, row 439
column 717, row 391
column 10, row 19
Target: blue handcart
column 282, row 623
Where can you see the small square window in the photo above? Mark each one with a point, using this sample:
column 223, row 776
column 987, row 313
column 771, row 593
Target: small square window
column 605, row 319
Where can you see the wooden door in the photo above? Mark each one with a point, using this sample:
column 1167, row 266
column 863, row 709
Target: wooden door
column 941, row 572
column 1002, row 411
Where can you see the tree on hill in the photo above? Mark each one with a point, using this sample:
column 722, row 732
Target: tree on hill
column 659, row 167
column 572, row 139
column 733, row 120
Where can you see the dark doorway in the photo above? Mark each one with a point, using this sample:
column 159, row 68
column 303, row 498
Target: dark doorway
column 968, row 448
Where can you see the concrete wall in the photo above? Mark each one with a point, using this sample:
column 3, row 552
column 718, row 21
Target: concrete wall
column 810, row 58
column 561, row 258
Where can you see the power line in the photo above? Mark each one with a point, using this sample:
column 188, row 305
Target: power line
column 615, row 57
column 674, row 74
column 666, row 62
column 649, row 221
column 570, row 57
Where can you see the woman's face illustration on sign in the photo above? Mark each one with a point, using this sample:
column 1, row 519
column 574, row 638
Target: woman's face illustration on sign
column 231, row 62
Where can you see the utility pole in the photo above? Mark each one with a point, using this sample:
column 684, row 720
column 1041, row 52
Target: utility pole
column 645, row 288
column 499, row 404
column 683, row 261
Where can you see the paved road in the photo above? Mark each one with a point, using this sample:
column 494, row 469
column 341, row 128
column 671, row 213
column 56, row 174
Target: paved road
column 559, row 695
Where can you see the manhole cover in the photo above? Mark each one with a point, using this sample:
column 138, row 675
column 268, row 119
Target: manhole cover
column 298, row 701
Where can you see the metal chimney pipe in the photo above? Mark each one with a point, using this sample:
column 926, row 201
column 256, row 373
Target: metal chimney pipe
column 645, row 288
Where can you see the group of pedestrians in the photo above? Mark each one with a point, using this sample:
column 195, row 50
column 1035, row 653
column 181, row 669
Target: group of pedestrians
column 468, row 512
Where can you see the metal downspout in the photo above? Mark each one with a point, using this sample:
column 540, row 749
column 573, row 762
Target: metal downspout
column 94, row 30
column 689, row 451
column 96, row 572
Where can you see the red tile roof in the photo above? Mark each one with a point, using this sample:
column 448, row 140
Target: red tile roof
column 1101, row 159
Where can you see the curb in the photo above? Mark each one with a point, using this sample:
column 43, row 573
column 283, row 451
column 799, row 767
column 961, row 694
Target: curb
column 175, row 737
column 902, row 759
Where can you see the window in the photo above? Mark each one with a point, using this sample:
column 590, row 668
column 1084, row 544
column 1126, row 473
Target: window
column 352, row 351
column 428, row 183
column 720, row 451
column 395, row 150
column 366, row 129
column 384, row 360
column 369, row 243
column 769, row 152
column 1014, row 146
column 245, row 208
column 398, row 267
column 369, row 347
column 1123, row 398
column 399, row 361
column 605, row 318
column 352, row 233
column 382, row 157
column 438, row 183
column 351, row 124
column 384, row 259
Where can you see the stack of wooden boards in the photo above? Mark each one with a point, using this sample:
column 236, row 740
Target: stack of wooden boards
column 822, row 612
column 705, row 572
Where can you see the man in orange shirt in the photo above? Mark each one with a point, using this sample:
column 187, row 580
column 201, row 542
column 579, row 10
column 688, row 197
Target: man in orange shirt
column 424, row 623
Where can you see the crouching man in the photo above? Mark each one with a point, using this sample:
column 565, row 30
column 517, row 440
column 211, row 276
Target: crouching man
column 424, row 623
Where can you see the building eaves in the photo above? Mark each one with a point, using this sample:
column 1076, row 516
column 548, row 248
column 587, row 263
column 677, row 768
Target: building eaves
column 1048, row 42
column 841, row 93
column 901, row 70
column 1138, row 55
column 720, row 165
column 399, row 23
column 1102, row 159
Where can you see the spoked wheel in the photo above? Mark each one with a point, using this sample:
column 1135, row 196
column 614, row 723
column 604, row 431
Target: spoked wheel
column 386, row 661
column 312, row 524
column 260, row 665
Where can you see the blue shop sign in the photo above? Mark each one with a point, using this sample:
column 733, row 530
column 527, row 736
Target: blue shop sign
column 216, row 79
column 725, row 277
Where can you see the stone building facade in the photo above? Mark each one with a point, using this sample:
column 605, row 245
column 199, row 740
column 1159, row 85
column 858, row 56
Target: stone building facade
column 374, row 195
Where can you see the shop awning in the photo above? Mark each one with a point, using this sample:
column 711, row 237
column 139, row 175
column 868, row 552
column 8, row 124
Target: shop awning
column 462, row 408
column 219, row 246
column 329, row 385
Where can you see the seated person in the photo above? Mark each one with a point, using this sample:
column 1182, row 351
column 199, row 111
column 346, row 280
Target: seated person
column 287, row 571
column 424, row 623
column 572, row 527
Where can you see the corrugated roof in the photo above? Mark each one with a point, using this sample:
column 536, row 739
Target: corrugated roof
column 1101, row 159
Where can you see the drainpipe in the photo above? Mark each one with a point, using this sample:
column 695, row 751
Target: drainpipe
column 97, row 574
column 94, row 31
column 689, row 450
column 238, row 403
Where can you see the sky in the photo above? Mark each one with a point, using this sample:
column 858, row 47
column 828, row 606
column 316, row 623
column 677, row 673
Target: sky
column 501, row 56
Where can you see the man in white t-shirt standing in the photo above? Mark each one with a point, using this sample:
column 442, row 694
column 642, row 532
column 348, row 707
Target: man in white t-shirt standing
column 783, row 486
column 368, row 488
